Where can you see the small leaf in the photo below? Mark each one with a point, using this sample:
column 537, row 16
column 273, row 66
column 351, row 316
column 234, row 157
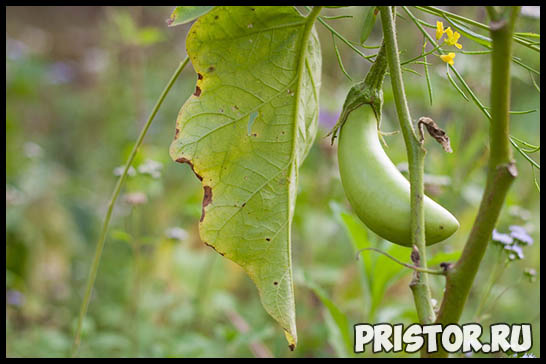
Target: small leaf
column 427, row 76
column 368, row 24
column 435, row 132
column 529, row 35
column 185, row 14
column 455, row 85
column 339, row 60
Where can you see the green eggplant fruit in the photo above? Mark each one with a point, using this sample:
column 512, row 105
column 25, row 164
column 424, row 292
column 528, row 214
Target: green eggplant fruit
column 377, row 191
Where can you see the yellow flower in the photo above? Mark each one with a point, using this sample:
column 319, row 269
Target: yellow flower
column 452, row 38
column 448, row 58
column 439, row 29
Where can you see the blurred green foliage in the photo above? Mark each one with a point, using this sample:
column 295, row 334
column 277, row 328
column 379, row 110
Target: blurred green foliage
column 80, row 83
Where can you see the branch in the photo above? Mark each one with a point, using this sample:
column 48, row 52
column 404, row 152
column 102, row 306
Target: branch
column 416, row 156
column 501, row 173
column 410, row 266
column 102, row 238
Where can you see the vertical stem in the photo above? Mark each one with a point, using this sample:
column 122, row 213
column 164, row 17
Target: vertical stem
column 100, row 245
column 501, row 173
column 135, row 294
column 416, row 156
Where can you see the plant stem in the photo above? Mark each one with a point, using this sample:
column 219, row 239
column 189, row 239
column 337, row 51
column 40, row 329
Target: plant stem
column 115, row 194
column 443, row 13
column 501, row 173
column 465, row 85
column 343, row 39
column 415, row 268
column 416, row 157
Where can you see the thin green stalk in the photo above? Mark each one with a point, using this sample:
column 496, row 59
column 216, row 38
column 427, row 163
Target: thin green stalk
column 535, row 179
column 528, row 68
column 439, row 12
column 529, row 159
column 339, row 60
column 457, row 74
column 410, row 266
column 342, row 38
column 534, row 82
column 416, row 156
column 524, row 143
column 501, row 173
column 473, row 96
column 422, row 55
column 427, row 76
column 443, row 13
column 455, row 85
column 336, row 17
column 115, row 194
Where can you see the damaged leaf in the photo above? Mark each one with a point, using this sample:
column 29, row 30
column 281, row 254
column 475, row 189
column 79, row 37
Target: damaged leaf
column 246, row 133
column 435, row 132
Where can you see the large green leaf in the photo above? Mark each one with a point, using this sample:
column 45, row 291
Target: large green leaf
column 245, row 132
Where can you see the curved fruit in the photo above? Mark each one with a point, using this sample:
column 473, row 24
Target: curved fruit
column 377, row 191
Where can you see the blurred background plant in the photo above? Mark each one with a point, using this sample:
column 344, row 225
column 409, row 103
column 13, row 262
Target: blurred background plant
column 80, row 82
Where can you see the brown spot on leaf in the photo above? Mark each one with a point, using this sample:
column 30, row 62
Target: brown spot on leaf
column 211, row 69
column 275, row 283
column 291, row 347
column 268, row 239
column 185, row 160
column 244, row 204
column 199, row 76
column 207, row 199
column 216, row 17
column 210, row 246
column 176, row 133
column 441, row 227
column 197, row 91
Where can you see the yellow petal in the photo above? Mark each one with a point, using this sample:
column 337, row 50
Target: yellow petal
column 458, row 45
column 439, row 29
column 448, row 58
column 456, row 36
